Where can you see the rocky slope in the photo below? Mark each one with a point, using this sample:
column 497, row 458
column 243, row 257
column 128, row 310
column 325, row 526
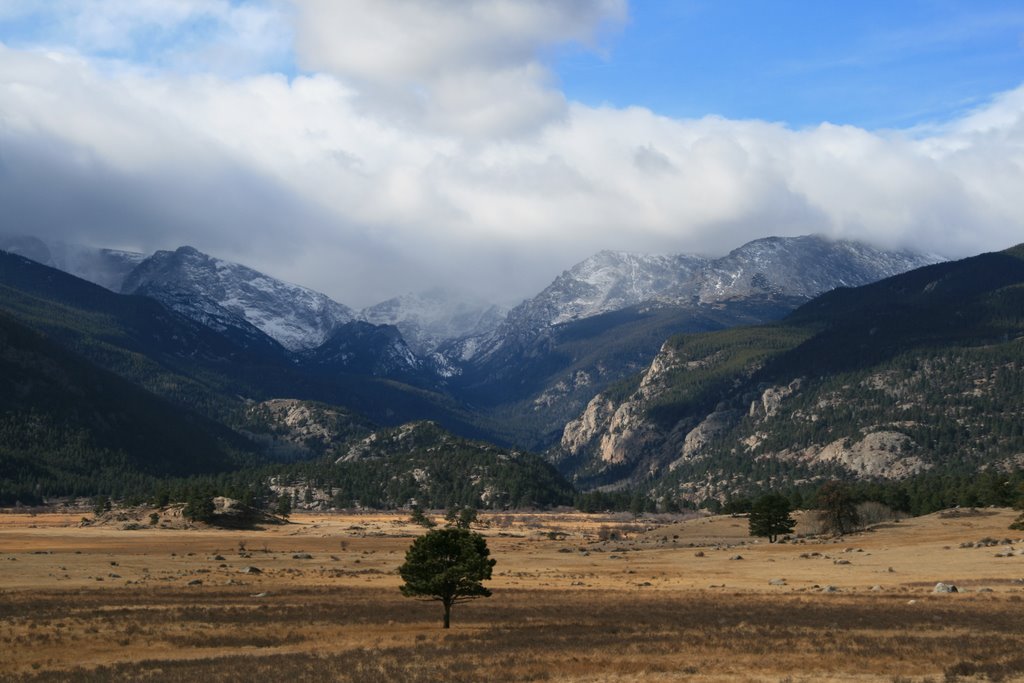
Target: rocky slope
column 606, row 318
column 292, row 429
column 422, row 463
column 916, row 372
column 224, row 295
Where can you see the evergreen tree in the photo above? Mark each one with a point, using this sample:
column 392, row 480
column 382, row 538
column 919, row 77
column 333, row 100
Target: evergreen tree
column 419, row 517
column 447, row 565
column 101, row 504
column 769, row 517
column 199, row 508
column 1018, row 524
column 461, row 517
column 284, row 506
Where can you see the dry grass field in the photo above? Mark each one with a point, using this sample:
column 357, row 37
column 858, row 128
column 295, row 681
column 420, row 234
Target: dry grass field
column 576, row 598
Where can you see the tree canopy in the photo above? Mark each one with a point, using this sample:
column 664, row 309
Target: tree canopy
column 769, row 516
column 448, row 565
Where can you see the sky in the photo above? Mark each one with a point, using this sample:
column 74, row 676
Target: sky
column 368, row 148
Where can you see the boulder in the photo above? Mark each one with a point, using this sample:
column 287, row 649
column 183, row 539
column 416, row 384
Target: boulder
column 945, row 588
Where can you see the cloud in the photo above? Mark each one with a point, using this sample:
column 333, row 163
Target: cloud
column 411, row 42
column 306, row 178
column 470, row 68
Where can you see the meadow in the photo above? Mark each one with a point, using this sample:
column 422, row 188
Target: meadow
column 576, row 598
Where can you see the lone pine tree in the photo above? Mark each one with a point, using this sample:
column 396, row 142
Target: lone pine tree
column 447, row 565
column 769, row 516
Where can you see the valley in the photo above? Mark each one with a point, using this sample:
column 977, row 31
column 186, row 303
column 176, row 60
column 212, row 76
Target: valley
column 576, row 598
column 599, row 341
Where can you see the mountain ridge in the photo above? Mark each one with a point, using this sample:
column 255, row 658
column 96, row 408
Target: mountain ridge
column 225, row 294
column 885, row 380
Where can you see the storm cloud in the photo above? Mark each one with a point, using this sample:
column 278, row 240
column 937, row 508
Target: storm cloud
column 442, row 152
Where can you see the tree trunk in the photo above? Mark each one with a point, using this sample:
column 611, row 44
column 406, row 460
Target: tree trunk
column 447, row 615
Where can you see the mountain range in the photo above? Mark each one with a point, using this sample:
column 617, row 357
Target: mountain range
column 605, row 319
column 778, row 327
column 917, row 372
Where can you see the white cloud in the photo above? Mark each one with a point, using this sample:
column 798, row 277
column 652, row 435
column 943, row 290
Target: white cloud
column 412, row 42
column 469, row 68
column 306, row 179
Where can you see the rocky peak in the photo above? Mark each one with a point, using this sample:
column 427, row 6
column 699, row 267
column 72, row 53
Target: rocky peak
column 223, row 294
column 786, row 269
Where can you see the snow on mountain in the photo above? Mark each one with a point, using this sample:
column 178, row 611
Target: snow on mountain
column 222, row 294
column 104, row 267
column 428, row 319
column 772, row 268
column 609, row 281
column 799, row 266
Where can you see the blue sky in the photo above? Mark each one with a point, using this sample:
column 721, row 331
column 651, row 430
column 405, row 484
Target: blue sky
column 873, row 64
column 870, row 63
column 368, row 148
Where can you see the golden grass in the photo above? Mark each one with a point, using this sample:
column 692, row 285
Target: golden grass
column 85, row 604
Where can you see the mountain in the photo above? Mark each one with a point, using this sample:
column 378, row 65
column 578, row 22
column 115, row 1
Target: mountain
column 298, row 430
column 105, row 267
column 225, row 295
column 920, row 372
column 70, row 428
column 428, row 319
column 801, row 267
column 363, row 348
column 199, row 367
column 422, row 463
column 606, row 318
column 772, row 267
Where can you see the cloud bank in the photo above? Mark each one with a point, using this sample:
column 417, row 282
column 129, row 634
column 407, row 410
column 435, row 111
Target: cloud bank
column 421, row 143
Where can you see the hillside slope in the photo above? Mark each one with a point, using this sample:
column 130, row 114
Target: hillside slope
column 70, row 428
column 605, row 318
column 192, row 364
column 422, row 463
column 918, row 372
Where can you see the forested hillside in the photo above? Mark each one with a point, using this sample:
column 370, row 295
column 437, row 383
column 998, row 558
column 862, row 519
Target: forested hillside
column 920, row 373
column 424, row 464
column 70, row 428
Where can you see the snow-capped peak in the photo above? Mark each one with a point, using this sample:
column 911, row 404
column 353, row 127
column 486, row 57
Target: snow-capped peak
column 213, row 290
column 793, row 268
